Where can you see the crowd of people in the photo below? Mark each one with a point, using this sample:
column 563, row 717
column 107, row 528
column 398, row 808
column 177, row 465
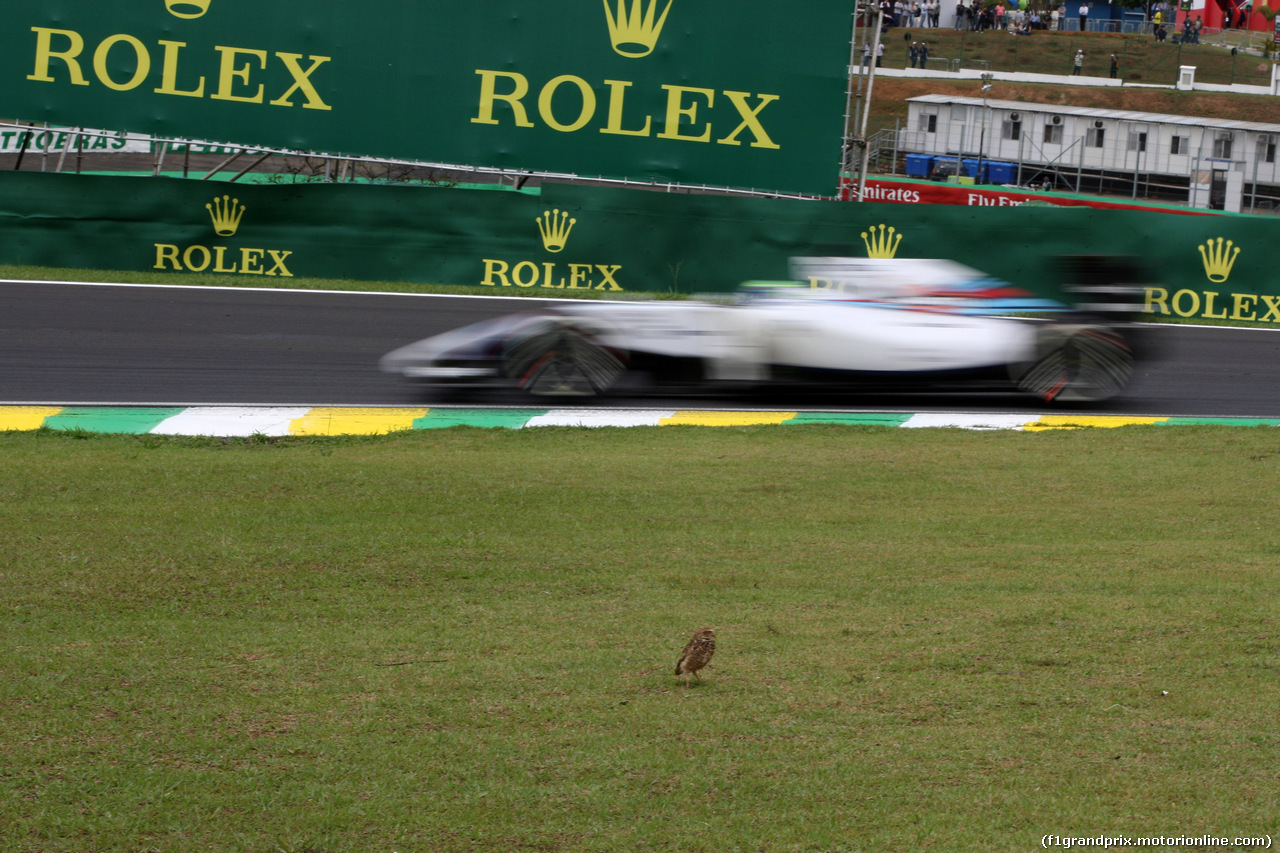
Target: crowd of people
column 1022, row 18
column 1017, row 16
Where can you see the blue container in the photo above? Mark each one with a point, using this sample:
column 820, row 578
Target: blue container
column 970, row 168
column 919, row 165
column 1000, row 173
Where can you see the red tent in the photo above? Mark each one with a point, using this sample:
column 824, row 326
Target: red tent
column 1226, row 14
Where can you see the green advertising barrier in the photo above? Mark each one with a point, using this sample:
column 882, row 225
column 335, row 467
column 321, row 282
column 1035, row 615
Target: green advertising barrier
column 746, row 94
column 610, row 241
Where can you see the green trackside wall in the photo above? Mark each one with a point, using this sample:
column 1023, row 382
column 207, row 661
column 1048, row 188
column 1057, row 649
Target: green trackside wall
column 749, row 93
column 606, row 240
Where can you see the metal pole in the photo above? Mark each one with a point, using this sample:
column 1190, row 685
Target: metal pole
column 862, row 131
column 987, row 77
column 1253, row 196
column 897, row 134
column 1022, row 137
column 1080, row 164
column 250, row 167
column 1195, row 170
column 159, row 161
column 227, row 162
column 848, row 96
column 62, row 158
column 44, row 152
column 1137, row 159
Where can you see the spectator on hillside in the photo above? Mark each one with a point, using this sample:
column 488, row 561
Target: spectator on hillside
column 924, row 54
column 961, row 11
column 1115, row 66
column 1195, row 30
column 1084, row 16
column 1053, row 20
column 1077, row 64
column 1161, row 33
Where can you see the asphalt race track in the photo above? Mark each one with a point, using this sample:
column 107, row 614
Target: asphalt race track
column 79, row 344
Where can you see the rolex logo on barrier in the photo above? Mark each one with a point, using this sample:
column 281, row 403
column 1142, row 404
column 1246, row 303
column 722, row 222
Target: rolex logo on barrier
column 555, row 231
column 634, row 34
column 187, row 8
column 881, row 245
column 225, row 212
column 553, row 227
column 1218, row 259
column 571, row 103
column 226, row 217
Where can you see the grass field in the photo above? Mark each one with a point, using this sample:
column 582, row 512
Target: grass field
column 463, row 640
column 1141, row 58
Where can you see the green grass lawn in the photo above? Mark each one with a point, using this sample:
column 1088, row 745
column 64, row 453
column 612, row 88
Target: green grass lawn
column 1141, row 58
column 463, row 640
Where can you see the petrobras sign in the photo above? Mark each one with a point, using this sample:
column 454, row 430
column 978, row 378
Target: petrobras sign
column 742, row 94
column 39, row 140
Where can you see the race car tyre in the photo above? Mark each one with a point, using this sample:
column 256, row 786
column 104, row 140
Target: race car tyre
column 558, row 360
column 1079, row 364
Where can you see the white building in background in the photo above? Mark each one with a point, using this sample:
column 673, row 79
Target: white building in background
column 1208, row 163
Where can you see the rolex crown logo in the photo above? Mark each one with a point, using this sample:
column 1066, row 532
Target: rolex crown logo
column 1217, row 259
column 881, row 245
column 555, row 230
column 634, row 33
column 187, row 8
column 226, row 213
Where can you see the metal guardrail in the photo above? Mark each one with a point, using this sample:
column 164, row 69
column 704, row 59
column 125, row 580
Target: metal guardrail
column 981, row 64
column 1249, row 41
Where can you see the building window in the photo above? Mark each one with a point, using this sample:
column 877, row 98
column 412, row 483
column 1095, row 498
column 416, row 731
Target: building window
column 1053, row 134
column 1222, row 145
column 1138, row 140
column 1095, row 136
column 1266, row 148
column 1011, row 127
column 929, row 122
column 1180, row 145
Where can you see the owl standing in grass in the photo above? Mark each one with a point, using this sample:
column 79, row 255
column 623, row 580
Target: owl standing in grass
column 696, row 654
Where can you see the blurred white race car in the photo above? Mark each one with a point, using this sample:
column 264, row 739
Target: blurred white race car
column 887, row 324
